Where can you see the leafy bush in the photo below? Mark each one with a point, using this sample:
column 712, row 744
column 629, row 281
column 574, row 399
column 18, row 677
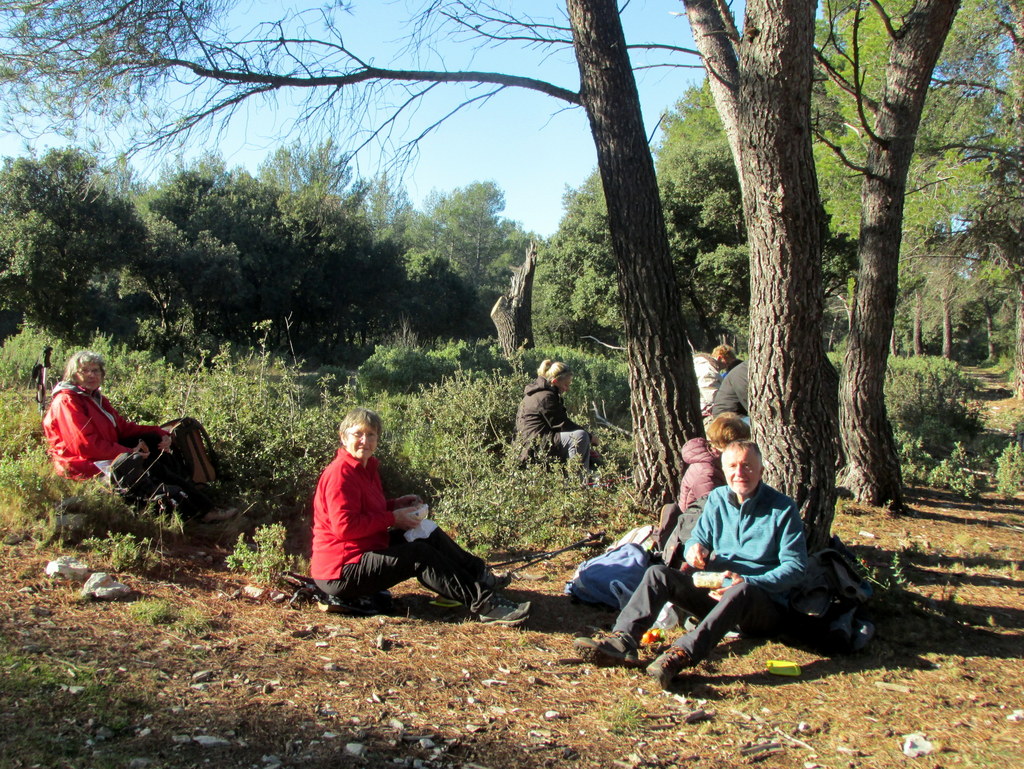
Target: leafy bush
column 930, row 398
column 955, row 473
column 1010, row 471
column 456, row 439
column 274, row 428
column 406, row 369
column 916, row 463
column 597, row 378
column 266, row 560
column 125, row 552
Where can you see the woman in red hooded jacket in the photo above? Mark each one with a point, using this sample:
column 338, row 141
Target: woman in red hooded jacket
column 82, row 427
column 86, row 434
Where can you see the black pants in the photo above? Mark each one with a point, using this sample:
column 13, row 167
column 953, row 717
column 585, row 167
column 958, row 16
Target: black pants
column 437, row 562
column 139, row 479
column 745, row 606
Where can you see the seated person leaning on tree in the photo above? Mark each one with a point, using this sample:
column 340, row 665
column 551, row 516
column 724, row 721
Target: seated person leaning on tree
column 86, row 436
column 543, row 423
column 749, row 533
column 359, row 537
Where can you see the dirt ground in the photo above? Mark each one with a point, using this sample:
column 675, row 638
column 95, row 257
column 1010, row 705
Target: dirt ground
column 258, row 684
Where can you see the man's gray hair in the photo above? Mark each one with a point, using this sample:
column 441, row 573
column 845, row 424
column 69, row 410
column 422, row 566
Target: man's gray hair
column 745, row 446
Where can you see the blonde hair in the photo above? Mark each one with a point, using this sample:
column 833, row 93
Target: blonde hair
column 360, row 417
column 725, row 352
column 552, row 370
column 79, row 359
column 727, row 428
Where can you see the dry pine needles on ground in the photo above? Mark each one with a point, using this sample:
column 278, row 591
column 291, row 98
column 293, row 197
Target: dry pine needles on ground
column 226, row 681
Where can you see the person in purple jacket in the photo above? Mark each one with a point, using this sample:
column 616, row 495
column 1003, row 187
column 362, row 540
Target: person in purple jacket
column 703, row 457
column 753, row 537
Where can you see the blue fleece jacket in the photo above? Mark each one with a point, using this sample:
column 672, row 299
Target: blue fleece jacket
column 762, row 539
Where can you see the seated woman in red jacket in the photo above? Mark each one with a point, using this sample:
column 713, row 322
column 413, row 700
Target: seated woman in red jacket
column 364, row 543
column 86, row 434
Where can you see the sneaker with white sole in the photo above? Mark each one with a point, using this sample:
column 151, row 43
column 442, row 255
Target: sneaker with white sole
column 502, row 611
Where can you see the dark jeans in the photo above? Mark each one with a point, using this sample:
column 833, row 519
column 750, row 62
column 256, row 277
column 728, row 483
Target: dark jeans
column 143, row 477
column 437, row 562
column 745, row 606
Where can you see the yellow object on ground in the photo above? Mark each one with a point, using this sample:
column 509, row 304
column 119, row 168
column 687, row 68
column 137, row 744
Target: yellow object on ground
column 783, row 668
column 445, row 603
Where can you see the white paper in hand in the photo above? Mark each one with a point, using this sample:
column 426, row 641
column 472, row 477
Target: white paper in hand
column 426, row 527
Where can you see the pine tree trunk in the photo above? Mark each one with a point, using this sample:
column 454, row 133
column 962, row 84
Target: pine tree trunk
column 918, row 312
column 872, row 471
column 1018, row 358
column 664, row 406
column 990, row 335
column 764, row 96
column 792, row 408
column 947, row 325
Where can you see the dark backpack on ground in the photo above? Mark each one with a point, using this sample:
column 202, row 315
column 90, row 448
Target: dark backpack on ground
column 130, row 478
column 191, row 445
column 306, row 590
column 609, row 579
column 827, row 608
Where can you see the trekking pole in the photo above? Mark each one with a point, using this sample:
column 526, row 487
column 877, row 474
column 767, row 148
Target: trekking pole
column 39, row 378
column 528, row 560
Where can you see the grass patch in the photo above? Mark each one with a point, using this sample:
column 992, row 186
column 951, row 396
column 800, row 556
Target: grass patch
column 626, row 718
column 184, row 619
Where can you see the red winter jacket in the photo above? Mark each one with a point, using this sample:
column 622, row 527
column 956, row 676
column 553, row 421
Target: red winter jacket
column 351, row 516
column 83, row 428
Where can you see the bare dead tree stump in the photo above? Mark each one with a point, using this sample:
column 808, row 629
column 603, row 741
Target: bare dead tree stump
column 512, row 312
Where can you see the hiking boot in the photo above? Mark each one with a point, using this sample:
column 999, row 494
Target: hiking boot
column 616, row 649
column 668, row 665
column 331, row 604
column 496, row 580
column 502, row 611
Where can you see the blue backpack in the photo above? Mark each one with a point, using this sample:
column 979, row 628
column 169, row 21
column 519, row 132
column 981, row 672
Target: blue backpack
column 611, row 578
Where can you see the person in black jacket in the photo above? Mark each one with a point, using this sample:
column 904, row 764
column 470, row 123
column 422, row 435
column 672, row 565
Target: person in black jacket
column 542, row 422
column 732, row 395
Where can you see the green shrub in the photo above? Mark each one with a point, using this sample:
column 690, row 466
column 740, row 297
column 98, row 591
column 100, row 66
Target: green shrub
column 125, row 552
column 916, row 463
column 265, row 561
column 455, row 439
column 274, row 428
column 406, row 369
column 955, row 473
column 1010, row 471
column 930, row 398
column 597, row 379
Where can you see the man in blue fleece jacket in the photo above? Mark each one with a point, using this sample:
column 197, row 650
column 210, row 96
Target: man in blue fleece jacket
column 753, row 537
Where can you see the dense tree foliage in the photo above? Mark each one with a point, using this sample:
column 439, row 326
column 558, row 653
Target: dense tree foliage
column 302, row 257
column 61, row 234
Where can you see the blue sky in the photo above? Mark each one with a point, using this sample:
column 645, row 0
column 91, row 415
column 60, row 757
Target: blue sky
column 532, row 146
